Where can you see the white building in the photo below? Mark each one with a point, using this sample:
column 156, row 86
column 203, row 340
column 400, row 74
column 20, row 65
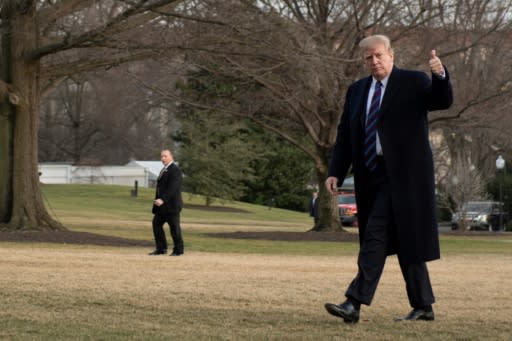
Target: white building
column 152, row 169
column 144, row 172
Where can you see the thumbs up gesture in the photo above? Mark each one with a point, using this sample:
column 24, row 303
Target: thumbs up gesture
column 435, row 64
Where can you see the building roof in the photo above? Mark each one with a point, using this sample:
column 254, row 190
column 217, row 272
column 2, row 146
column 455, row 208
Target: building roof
column 152, row 167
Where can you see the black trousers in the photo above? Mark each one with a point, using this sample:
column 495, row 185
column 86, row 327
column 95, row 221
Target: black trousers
column 379, row 236
column 158, row 231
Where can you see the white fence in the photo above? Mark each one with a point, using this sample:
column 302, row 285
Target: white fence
column 109, row 175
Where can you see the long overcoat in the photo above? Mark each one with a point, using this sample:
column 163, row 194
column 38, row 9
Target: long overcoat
column 404, row 136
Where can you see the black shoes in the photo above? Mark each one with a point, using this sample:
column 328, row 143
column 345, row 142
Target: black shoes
column 345, row 310
column 157, row 252
column 350, row 314
column 418, row 315
column 175, row 254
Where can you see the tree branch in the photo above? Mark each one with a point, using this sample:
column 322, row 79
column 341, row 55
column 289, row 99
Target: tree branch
column 109, row 28
column 469, row 105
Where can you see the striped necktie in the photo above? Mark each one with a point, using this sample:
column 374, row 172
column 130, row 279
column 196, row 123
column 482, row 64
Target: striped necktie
column 370, row 140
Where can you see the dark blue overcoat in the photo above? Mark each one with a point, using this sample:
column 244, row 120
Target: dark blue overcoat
column 404, row 136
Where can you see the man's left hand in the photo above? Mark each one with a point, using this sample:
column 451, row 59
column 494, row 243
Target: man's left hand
column 435, row 64
column 158, row 202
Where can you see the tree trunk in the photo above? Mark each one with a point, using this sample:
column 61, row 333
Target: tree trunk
column 6, row 128
column 329, row 217
column 23, row 208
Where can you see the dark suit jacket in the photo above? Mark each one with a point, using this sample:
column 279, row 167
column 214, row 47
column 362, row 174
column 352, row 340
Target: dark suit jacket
column 403, row 133
column 168, row 188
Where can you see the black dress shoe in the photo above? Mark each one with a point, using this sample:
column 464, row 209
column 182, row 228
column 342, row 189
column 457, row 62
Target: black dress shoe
column 345, row 310
column 174, row 254
column 418, row 315
column 157, row 252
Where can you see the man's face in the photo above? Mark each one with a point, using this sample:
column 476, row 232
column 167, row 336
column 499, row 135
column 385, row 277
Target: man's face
column 165, row 157
column 379, row 61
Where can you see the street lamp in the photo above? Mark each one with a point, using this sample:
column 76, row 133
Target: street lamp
column 458, row 222
column 500, row 166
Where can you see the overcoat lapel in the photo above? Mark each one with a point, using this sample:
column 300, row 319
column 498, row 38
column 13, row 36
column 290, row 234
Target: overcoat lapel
column 358, row 116
column 391, row 90
column 363, row 97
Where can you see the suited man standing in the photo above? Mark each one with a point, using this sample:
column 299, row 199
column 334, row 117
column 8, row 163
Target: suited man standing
column 383, row 136
column 167, row 206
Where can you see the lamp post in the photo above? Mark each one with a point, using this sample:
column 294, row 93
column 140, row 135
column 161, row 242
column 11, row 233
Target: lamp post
column 459, row 214
column 500, row 166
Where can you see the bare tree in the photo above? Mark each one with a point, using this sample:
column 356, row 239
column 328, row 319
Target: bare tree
column 107, row 117
column 136, row 122
column 477, row 47
column 69, row 130
column 292, row 61
column 42, row 43
column 458, row 178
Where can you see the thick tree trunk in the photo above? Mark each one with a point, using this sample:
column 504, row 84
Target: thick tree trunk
column 6, row 129
column 24, row 207
column 329, row 217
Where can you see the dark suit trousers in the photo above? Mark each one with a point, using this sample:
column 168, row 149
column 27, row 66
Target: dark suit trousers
column 379, row 236
column 158, row 231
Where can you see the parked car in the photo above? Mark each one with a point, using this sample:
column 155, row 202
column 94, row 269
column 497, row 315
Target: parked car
column 348, row 208
column 480, row 215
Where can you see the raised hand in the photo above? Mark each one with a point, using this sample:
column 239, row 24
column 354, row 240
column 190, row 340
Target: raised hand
column 435, row 64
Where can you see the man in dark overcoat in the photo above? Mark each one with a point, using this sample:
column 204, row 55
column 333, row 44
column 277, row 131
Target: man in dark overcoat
column 167, row 206
column 383, row 135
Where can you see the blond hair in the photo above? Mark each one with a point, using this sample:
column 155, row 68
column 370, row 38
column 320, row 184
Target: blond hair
column 375, row 39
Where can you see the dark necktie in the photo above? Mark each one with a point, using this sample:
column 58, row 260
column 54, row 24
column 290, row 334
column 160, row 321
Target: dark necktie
column 161, row 172
column 370, row 140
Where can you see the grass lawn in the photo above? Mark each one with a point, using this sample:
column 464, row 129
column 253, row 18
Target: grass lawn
column 231, row 289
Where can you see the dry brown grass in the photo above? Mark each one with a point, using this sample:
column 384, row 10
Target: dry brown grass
column 68, row 292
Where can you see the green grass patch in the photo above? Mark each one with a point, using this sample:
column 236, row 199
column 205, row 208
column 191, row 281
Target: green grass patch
column 110, row 210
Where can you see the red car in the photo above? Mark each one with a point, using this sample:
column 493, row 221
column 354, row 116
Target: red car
column 348, row 208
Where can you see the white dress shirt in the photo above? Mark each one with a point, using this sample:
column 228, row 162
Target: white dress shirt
column 369, row 103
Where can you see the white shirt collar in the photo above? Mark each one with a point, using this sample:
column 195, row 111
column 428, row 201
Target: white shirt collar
column 384, row 82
